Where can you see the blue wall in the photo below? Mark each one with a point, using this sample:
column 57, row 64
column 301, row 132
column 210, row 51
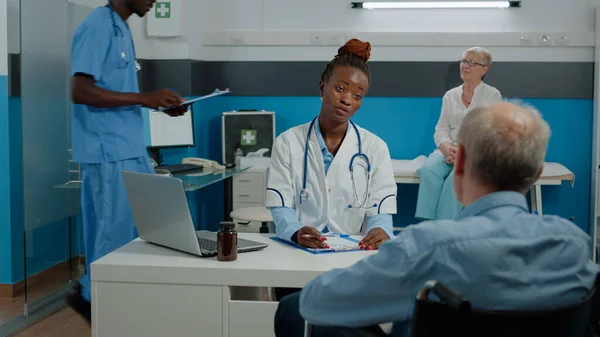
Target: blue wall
column 406, row 124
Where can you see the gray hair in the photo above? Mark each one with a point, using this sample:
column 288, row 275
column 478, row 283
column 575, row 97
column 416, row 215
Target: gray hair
column 505, row 149
column 482, row 54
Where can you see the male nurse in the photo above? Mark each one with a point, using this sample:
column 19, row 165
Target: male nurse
column 107, row 130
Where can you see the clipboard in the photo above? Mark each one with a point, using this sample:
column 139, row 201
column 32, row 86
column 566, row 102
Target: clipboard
column 352, row 245
column 217, row 92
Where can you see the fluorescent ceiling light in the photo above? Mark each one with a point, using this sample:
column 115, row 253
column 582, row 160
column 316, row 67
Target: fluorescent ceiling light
column 435, row 4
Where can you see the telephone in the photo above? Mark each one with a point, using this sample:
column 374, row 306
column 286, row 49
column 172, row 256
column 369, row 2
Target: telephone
column 204, row 162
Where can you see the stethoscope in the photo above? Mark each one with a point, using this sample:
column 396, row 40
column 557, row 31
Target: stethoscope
column 304, row 193
column 119, row 33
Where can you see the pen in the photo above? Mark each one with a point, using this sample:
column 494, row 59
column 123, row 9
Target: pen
column 308, row 236
column 329, row 235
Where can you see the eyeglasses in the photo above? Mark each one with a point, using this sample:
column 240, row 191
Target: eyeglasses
column 472, row 63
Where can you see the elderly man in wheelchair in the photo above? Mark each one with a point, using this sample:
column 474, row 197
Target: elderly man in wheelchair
column 495, row 270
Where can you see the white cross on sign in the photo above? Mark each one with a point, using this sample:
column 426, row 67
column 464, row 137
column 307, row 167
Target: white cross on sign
column 248, row 137
column 162, row 9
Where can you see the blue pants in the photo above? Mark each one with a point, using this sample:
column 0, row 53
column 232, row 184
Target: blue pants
column 107, row 219
column 436, row 199
column 289, row 323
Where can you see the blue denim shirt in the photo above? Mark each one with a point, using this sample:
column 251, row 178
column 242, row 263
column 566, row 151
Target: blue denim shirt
column 496, row 254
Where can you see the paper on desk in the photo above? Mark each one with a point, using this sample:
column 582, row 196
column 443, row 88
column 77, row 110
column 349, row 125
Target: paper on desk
column 337, row 243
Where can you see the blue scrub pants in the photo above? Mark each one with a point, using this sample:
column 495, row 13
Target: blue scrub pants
column 436, row 199
column 107, row 218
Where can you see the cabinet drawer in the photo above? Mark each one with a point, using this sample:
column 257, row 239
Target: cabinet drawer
column 249, row 318
column 249, row 187
column 252, row 178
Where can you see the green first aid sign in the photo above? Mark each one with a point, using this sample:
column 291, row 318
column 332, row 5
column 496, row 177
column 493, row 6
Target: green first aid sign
column 248, row 137
column 162, row 10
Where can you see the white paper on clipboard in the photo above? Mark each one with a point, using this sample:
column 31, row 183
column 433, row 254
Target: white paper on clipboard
column 217, row 92
column 171, row 131
column 338, row 244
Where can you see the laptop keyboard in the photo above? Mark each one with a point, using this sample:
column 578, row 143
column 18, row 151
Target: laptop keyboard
column 207, row 245
column 180, row 168
column 210, row 244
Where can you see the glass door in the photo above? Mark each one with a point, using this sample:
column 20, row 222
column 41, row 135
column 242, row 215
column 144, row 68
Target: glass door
column 50, row 223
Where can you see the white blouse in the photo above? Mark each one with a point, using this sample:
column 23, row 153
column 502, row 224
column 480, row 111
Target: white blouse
column 453, row 111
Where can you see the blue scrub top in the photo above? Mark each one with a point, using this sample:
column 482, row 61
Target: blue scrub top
column 106, row 52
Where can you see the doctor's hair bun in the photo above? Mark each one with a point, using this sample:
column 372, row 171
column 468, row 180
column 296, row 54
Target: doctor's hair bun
column 355, row 53
column 356, row 47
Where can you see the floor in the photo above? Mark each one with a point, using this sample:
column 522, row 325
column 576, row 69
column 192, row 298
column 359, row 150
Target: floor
column 65, row 323
column 10, row 309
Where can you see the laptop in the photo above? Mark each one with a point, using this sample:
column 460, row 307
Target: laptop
column 162, row 216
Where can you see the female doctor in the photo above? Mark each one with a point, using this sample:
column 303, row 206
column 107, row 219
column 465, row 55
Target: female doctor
column 330, row 175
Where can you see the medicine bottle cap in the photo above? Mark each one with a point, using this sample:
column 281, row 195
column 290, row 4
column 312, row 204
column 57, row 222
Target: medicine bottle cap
column 227, row 225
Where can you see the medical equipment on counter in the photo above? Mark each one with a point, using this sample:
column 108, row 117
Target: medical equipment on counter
column 246, row 131
column 255, row 160
column 203, row 162
column 259, row 153
column 179, row 168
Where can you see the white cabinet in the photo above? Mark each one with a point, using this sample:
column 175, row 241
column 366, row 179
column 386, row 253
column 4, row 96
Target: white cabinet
column 249, row 187
column 249, row 190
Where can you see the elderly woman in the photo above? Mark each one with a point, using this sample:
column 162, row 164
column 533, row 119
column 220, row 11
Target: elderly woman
column 436, row 198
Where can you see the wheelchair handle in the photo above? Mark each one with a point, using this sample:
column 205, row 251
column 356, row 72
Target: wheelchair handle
column 445, row 294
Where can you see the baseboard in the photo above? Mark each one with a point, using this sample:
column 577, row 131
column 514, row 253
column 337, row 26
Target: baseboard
column 61, row 270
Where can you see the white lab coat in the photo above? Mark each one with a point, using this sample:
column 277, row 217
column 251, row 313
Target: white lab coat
column 453, row 111
column 330, row 196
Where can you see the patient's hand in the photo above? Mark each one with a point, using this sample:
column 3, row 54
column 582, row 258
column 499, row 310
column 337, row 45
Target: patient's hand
column 309, row 237
column 375, row 237
column 447, row 149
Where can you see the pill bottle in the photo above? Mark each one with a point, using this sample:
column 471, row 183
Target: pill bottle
column 227, row 242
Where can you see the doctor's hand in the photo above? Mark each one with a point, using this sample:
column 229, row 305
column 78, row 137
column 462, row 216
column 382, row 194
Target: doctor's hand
column 309, row 237
column 161, row 99
column 375, row 237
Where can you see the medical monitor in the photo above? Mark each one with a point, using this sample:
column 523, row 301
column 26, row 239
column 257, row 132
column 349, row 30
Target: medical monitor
column 163, row 131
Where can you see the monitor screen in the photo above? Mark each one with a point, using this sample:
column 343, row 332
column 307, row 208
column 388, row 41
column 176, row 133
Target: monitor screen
column 162, row 130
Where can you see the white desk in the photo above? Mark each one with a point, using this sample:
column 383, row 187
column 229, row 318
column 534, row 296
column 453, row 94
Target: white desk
column 405, row 172
column 143, row 290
